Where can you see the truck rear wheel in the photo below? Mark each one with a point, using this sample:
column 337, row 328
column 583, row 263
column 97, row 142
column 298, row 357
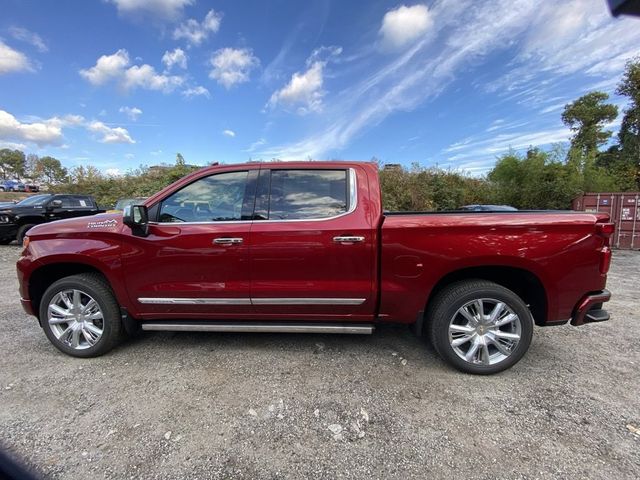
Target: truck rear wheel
column 80, row 315
column 479, row 326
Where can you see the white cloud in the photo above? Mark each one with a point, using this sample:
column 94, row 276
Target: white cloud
column 110, row 134
column 176, row 58
column 575, row 37
column 231, row 66
column 163, row 9
column 493, row 145
column 145, row 76
column 132, row 112
column 12, row 60
column 72, row 120
column 195, row 32
column 49, row 132
column 107, row 68
column 256, row 145
column 404, row 25
column 13, row 145
column 477, row 154
column 32, row 38
column 229, row 133
column 113, row 67
column 115, row 172
column 303, row 91
column 46, row 132
column 196, row 91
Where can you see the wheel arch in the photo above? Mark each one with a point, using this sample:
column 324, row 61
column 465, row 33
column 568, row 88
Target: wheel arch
column 46, row 274
column 524, row 283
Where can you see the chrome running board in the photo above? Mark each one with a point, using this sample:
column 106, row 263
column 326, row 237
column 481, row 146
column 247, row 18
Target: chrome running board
column 260, row 327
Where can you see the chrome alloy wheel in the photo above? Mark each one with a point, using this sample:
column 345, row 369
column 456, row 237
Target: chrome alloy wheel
column 484, row 331
column 75, row 319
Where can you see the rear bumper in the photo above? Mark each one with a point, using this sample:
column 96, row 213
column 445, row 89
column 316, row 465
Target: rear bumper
column 589, row 308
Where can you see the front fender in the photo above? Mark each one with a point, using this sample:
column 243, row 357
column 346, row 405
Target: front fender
column 102, row 254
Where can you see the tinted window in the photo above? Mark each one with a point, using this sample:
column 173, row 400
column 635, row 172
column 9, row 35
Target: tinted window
column 77, row 202
column 209, row 199
column 305, row 194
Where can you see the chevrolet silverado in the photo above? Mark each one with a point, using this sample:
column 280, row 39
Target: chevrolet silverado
column 307, row 247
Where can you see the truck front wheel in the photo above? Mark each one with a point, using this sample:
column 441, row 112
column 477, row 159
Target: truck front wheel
column 22, row 232
column 479, row 326
column 80, row 315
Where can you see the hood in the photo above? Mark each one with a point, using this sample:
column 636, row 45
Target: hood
column 102, row 222
column 14, row 209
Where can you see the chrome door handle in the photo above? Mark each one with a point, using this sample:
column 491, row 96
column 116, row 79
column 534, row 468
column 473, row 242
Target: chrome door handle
column 227, row 241
column 349, row 239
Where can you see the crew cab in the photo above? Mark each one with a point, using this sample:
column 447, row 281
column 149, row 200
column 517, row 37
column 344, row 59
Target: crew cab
column 307, row 247
column 16, row 220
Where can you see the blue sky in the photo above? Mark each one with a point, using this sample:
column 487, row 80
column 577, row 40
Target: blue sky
column 120, row 83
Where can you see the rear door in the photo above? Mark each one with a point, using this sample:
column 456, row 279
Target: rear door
column 312, row 251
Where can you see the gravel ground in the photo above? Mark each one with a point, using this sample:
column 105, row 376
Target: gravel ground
column 185, row 405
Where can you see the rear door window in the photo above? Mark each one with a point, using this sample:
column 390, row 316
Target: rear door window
column 307, row 194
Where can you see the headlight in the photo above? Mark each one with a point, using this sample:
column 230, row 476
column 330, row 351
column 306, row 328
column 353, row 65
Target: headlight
column 4, row 219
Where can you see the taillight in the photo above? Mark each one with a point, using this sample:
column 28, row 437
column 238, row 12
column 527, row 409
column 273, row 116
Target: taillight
column 605, row 229
column 605, row 260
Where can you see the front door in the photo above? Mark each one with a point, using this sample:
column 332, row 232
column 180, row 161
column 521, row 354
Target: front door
column 312, row 246
column 195, row 261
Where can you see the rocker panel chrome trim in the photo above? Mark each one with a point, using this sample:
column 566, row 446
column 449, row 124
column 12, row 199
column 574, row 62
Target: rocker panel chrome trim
column 249, row 301
column 365, row 329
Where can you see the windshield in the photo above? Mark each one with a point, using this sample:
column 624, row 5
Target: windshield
column 35, row 200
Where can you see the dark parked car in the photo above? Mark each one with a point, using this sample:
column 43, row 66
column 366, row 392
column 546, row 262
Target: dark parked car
column 16, row 220
column 12, row 186
column 31, row 187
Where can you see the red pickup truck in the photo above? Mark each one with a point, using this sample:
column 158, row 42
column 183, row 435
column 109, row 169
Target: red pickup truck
column 307, row 247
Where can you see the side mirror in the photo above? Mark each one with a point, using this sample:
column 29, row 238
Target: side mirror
column 53, row 204
column 136, row 217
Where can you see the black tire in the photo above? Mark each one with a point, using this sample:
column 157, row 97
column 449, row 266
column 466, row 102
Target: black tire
column 5, row 241
column 94, row 285
column 444, row 306
column 22, row 231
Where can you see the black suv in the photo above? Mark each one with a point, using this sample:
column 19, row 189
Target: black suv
column 17, row 219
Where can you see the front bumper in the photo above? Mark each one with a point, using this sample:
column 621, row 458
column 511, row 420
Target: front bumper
column 27, row 306
column 589, row 308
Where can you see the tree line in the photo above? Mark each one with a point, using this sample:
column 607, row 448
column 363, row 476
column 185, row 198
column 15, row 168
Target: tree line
column 537, row 179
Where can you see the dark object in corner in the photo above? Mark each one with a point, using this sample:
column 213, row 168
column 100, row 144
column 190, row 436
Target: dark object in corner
column 624, row 7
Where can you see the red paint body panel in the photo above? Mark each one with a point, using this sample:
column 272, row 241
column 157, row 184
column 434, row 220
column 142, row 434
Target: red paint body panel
column 393, row 270
column 560, row 249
